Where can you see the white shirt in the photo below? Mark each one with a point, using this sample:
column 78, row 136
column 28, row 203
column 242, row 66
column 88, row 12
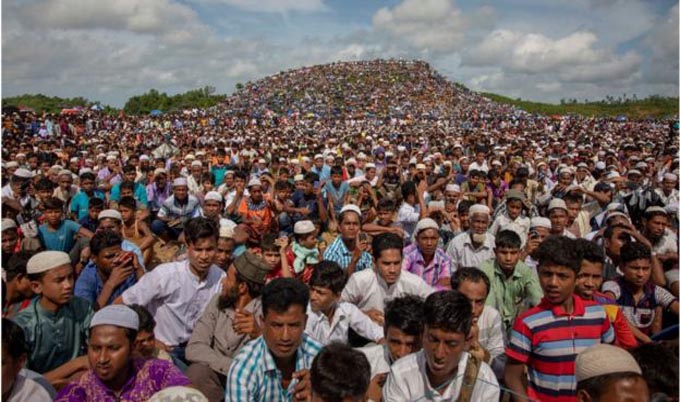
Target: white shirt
column 378, row 357
column 408, row 382
column 175, row 298
column 521, row 226
column 408, row 217
column 28, row 390
column 476, row 166
column 346, row 316
column 491, row 332
column 464, row 255
column 368, row 290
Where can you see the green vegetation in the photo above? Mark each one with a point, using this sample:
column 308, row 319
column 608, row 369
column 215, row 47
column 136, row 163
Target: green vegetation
column 153, row 100
column 51, row 104
column 654, row 106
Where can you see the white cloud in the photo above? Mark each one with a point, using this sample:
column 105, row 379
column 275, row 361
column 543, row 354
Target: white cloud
column 272, row 6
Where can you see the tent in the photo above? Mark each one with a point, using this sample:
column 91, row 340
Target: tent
column 155, row 112
column 97, row 107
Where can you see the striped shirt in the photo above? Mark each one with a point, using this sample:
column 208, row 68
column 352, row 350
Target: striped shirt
column 339, row 253
column 253, row 375
column 547, row 339
column 440, row 267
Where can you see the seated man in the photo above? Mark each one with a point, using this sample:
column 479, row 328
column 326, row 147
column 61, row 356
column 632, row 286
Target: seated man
column 425, row 259
column 114, row 373
column 439, row 370
column 227, row 324
column 339, row 373
column 175, row 211
column 347, row 249
column 371, row 288
column 275, row 366
column 471, row 248
column 16, row 385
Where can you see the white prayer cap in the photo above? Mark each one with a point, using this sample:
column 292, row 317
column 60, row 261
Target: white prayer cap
column 318, row 156
column 21, row 155
column 159, row 171
column 613, row 175
column 84, row 170
column 189, row 157
column 453, row 188
column 370, row 165
column 479, row 209
column 448, row 163
column 294, row 162
column 118, row 315
column 144, row 158
column 634, row 171
column 655, row 209
column 421, row 166
column 213, row 196
column 8, row 224
column 180, row 181
column 299, row 177
column 74, row 159
column 496, row 163
column 306, row 159
column 670, row 177
column 352, row 208
column 111, row 158
column 111, row 214
column 254, row 182
column 65, row 172
column 12, row 165
column 600, row 166
column 261, row 160
column 557, row 203
column 196, row 164
column 351, row 161
column 227, row 228
column 24, row 173
column 46, row 260
column 200, row 153
column 426, row 223
column 303, row 227
column 540, row 222
column 178, row 393
column 603, row 359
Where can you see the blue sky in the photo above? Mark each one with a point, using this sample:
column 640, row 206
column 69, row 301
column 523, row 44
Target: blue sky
column 539, row 50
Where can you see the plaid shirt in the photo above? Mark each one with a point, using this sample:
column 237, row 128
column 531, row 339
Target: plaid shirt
column 440, row 267
column 253, row 375
column 339, row 253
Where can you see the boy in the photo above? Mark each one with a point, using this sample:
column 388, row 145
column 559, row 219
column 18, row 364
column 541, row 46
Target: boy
column 89, row 221
column 10, row 239
column 55, row 323
column 80, row 202
column 328, row 319
column 339, row 373
column 109, row 273
column 538, row 335
column 145, row 343
column 512, row 282
column 17, row 293
column 337, row 190
column 384, row 223
column 641, row 300
column 512, row 218
column 59, row 234
column 136, row 230
column 282, row 206
column 442, row 370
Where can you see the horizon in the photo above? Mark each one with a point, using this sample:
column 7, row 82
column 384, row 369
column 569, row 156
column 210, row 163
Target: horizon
column 583, row 49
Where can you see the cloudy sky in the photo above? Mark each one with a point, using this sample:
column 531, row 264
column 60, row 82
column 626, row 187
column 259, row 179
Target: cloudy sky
column 534, row 49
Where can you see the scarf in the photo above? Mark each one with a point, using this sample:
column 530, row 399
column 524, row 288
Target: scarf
column 303, row 257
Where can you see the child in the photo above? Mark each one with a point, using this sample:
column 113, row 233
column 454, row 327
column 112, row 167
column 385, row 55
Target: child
column 641, row 300
column 282, row 206
column 474, row 189
column 56, row 323
column 80, row 202
column 89, row 221
column 385, row 223
column 59, row 234
column 145, row 343
column 512, row 218
column 304, row 251
column 10, row 239
column 18, row 292
column 328, row 319
column 135, row 230
column 337, row 189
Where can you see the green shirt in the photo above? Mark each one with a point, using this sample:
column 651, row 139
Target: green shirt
column 509, row 295
column 55, row 338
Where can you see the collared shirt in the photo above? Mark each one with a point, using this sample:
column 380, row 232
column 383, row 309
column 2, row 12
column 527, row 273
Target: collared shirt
column 368, row 290
column 547, row 339
column 408, row 217
column 214, row 341
column 157, row 196
column 175, row 297
column 148, row 377
column 378, row 357
column 89, row 285
column 491, row 334
column 55, row 338
column 104, row 173
column 81, row 202
column 173, row 209
column 520, row 225
column 61, row 239
column 346, row 316
column 339, row 253
column 440, row 267
column 139, row 194
column 254, row 376
column 464, row 254
column 408, row 382
column 508, row 295
column 668, row 243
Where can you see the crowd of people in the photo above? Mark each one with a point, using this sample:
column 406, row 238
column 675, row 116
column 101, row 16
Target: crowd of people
column 358, row 231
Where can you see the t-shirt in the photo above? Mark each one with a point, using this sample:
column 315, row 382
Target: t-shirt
column 61, row 239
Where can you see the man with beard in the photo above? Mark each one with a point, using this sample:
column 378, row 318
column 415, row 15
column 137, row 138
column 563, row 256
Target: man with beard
column 475, row 246
column 227, row 324
column 664, row 241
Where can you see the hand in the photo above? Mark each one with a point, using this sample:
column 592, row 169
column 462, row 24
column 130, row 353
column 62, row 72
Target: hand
column 160, row 345
column 304, row 211
column 376, row 315
column 282, row 242
column 374, row 392
column 121, row 271
column 303, row 389
column 421, row 187
column 245, row 323
column 532, row 245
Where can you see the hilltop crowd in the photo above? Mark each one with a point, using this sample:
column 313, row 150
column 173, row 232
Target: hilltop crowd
column 346, row 232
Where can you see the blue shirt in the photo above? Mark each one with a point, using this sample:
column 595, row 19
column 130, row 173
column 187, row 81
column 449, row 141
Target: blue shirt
column 337, row 195
column 139, row 193
column 253, row 375
column 219, row 172
column 61, row 239
column 339, row 253
column 89, row 285
column 81, row 202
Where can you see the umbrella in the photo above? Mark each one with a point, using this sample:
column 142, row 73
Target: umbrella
column 155, row 112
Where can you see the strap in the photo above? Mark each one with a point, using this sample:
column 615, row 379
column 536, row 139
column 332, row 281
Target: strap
column 469, row 378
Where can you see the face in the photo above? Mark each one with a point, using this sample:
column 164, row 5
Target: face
column 613, row 245
column 225, row 248
column 443, row 350
column 558, row 220
column 109, row 224
column 427, row 241
column 130, row 176
column 637, row 272
column 56, row 285
column 322, row 299
column 623, row 390
column 65, row 182
column 9, row 240
column 476, row 293
column 573, row 209
column 180, row 192
column 104, row 259
column 479, row 223
column 145, row 344
column 514, row 208
column 255, row 193
column 109, row 352
column 565, row 179
column 507, row 257
column 558, row 282
column 308, row 241
column 201, row 255
column 389, row 265
column 10, row 369
column 668, row 185
column 212, row 208
column 273, row 257
column 283, row 331
column 128, row 214
column 656, row 226
column 400, row 344
column 588, row 279
column 350, row 225
column 230, row 291
column 53, row 216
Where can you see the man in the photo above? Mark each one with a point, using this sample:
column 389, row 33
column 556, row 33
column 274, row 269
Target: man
column 578, row 221
column 513, row 283
column 111, row 219
column 413, row 206
column 536, row 347
column 371, row 288
column 425, row 259
column 17, row 386
column 558, row 213
column 664, row 241
column 176, row 293
column 175, row 211
column 255, row 212
column 475, row 246
column 669, row 189
column 347, row 249
column 339, row 373
column 275, row 366
column 114, row 375
column 226, row 325
column 487, row 328
column 439, row 370
column 606, row 373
